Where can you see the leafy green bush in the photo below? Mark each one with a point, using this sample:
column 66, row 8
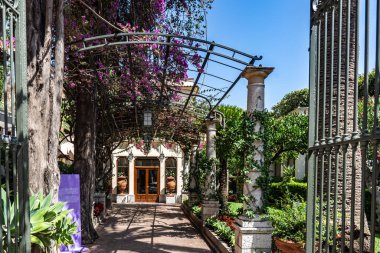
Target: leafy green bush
column 197, row 211
column 377, row 242
column 65, row 168
column 286, row 190
column 50, row 224
column 289, row 222
column 222, row 230
column 235, row 209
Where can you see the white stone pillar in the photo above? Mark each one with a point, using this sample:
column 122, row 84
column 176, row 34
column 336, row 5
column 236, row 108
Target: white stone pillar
column 193, row 183
column 254, row 235
column 131, row 177
column 255, row 102
column 162, row 178
column 211, row 154
column 114, row 175
column 210, row 206
column 179, row 175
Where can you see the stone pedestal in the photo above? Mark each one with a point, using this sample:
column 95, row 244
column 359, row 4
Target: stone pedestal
column 124, row 198
column 184, row 197
column 193, row 198
column 120, row 199
column 253, row 235
column 170, row 199
column 210, row 208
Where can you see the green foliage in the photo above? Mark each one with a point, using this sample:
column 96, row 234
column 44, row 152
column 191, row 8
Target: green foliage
column 377, row 242
column 283, row 137
column 50, row 224
column 371, row 84
column 197, row 211
column 289, row 222
column 235, row 209
column 170, row 172
column 222, row 230
column 1, row 86
column 285, row 192
column 203, row 168
column 286, row 137
column 65, row 168
column 370, row 113
column 289, row 172
column 291, row 101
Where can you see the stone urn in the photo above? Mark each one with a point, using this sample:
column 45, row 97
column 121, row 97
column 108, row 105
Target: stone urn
column 121, row 185
column 170, row 185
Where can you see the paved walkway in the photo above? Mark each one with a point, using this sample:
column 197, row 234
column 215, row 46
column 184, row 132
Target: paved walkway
column 152, row 228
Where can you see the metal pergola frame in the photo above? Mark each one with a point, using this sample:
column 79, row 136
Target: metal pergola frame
column 227, row 58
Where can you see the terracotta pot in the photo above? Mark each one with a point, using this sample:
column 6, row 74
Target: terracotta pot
column 289, row 246
column 121, row 184
column 170, row 185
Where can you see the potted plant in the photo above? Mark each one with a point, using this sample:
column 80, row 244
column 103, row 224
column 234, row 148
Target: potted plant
column 289, row 225
column 121, row 183
column 171, row 184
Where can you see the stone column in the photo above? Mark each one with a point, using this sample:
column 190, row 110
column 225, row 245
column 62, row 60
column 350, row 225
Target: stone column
column 131, row 180
column 114, row 177
column 185, row 177
column 162, row 180
column 211, row 154
column 254, row 235
column 179, row 177
column 192, row 179
column 210, row 206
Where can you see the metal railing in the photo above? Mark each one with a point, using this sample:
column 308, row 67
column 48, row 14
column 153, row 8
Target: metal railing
column 14, row 205
column 344, row 129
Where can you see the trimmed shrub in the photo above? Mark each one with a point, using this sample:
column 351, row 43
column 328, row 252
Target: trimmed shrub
column 286, row 190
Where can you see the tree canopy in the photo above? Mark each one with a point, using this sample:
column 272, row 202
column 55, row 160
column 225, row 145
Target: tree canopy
column 291, row 101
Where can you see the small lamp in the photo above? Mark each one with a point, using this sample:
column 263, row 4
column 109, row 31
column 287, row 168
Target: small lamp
column 130, row 156
column 148, row 118
column 162, row 156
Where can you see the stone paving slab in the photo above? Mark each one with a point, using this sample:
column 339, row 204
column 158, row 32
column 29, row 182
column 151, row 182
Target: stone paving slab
column 148, row 228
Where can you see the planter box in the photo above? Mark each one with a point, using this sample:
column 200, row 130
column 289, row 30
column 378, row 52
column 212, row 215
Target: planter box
column 288, row 247
column 215, row 243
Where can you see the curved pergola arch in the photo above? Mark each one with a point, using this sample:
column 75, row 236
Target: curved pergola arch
column 222, row 55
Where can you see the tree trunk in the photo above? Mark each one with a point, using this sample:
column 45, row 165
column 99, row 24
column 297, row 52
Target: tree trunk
column 84, row 159
column 223, row 185
column 44, row 91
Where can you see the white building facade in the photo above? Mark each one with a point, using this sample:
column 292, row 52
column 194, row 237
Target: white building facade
column 146, row 173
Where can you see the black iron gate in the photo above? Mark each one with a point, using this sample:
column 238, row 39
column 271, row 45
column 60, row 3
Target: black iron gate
column 14, row 205
column 344, row 128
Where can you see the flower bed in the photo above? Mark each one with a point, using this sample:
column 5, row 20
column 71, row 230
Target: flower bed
column 212, row 239
column 223, row 226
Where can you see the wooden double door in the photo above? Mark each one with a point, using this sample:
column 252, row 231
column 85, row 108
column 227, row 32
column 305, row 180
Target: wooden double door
column 147, row 184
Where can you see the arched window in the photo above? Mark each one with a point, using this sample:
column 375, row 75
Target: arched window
column 171, row 169
column 122, row 165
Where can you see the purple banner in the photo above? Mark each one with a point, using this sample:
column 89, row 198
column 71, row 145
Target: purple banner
column 69, row 192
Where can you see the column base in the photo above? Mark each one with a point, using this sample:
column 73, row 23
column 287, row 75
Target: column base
column 193, row 198
column 124, row 198
column 210, row 208
column 253, row 235
column 184, row 197
column 170, row 198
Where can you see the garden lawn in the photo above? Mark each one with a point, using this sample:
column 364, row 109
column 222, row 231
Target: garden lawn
column 233, row 208
column 377, row 242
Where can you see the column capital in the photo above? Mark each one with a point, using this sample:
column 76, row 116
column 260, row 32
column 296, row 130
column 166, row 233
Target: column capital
column 211, row 124
column 256, row 75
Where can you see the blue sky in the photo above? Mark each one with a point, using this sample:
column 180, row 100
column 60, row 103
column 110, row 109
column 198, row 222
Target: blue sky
column 277, row 30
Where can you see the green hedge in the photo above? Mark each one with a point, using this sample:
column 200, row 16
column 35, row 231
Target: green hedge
column 281, row 191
